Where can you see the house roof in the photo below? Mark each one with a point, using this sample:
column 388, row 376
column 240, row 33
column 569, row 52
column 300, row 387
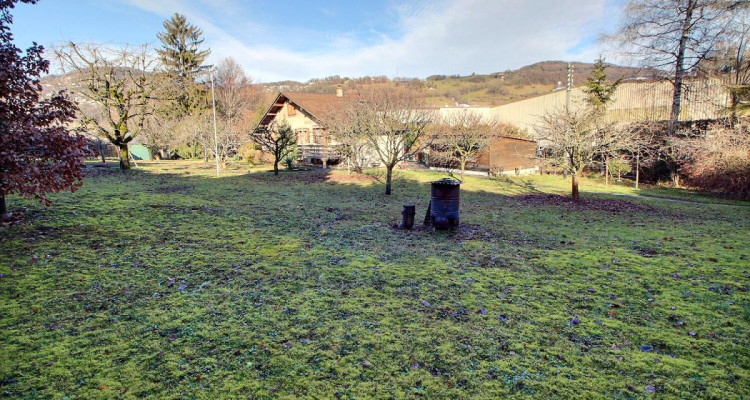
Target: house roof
column 317, row 105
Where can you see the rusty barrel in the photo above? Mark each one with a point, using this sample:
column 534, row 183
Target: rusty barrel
column 444, row 203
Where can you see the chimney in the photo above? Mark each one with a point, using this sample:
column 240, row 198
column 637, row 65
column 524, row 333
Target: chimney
column 339, row 91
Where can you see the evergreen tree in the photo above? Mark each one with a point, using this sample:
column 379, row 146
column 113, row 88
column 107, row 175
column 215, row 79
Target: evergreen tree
column 599, row 92
column 183, row 60
column 180, row 51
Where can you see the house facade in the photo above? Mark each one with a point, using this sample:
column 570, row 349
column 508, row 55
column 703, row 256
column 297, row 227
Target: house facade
column 305, row 113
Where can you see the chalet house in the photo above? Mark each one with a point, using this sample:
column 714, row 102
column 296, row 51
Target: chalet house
column 306, row 114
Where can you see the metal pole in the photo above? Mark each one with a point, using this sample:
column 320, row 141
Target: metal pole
column 569, row 87
column 216, row 140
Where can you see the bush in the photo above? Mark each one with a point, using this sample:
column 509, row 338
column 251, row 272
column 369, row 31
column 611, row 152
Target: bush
column 619, row 167
column 720, row 161
column 290, row 159
column 250, row 153
column 497, row 89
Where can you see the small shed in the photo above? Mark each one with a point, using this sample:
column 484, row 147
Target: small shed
column 507, row 154
column 140, row 152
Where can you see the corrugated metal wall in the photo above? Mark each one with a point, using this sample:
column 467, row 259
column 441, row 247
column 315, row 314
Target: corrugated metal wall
column 633, row 101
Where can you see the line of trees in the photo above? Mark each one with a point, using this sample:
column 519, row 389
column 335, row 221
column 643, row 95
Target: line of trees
column 683, row 37
column 162, row 101
column 686, row 38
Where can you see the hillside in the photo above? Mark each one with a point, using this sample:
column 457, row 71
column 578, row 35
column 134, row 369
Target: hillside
column 476, row 89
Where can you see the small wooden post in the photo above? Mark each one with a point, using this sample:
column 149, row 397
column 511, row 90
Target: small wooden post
column 407, row 220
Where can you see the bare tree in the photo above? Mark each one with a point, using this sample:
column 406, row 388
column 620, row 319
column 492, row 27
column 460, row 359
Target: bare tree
column 393, row 122
column 573, row 138
column 278, row 139
column 344, row 123
column 196, row 131
column 461, row 136
column 733, row 59
column 235, row 91
column 675, row 35
column 120, row 81
column 237, row 100
column 643, row 140
column 719, row 160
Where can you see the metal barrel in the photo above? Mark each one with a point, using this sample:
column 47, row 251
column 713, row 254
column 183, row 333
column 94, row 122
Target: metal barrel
column 445, row 199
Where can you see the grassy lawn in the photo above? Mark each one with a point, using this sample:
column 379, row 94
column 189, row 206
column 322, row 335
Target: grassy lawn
column 168, row 282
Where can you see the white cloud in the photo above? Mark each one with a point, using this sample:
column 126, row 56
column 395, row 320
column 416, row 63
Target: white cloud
column 461, row 36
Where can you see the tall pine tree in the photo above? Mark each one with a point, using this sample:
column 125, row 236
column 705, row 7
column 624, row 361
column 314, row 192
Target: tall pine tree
column 183, row 60
column 180, row 51
column 599, row 92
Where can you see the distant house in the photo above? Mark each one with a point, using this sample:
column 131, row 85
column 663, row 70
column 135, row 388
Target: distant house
column 306, row 114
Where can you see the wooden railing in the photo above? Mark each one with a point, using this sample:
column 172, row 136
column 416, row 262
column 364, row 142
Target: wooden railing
column 307, row 151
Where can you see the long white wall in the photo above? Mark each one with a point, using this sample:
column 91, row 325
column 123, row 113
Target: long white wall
column 632, row 101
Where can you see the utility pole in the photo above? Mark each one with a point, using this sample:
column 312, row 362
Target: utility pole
column 216, row 140
column 569, row 87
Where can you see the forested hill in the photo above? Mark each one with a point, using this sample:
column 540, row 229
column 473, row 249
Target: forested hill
column 476, row 89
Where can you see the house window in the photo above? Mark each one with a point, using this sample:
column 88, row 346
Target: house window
column 291, row 111
column 318, row 136
column 303, row 135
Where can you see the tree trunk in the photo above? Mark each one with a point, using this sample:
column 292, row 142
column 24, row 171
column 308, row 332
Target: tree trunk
column 674, row 174
column 679, row 75
column 102, row 148
column 124, row 157
column 388, row 179
column 4, row 214
column 679, row 72
column 463, row 168
column 606, row 169
column 276, row 167
column 574, row 188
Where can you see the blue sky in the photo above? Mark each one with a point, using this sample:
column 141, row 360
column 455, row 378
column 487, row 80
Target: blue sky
column 294, row 39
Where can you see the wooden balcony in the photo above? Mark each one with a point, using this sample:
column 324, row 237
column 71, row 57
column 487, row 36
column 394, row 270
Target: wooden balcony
column 308, row 152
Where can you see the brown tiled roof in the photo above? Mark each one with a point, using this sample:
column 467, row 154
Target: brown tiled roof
column 316, row 104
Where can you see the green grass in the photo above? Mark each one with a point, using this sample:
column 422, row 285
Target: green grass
column 298, row 286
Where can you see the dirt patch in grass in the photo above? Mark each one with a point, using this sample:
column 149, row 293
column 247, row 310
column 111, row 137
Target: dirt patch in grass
column 353, row 178
column 584, row 204
column 173, row 189
column 294, row 176
column 312, row 176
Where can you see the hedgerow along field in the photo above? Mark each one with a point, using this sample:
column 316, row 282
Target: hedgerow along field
column 167, row 282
